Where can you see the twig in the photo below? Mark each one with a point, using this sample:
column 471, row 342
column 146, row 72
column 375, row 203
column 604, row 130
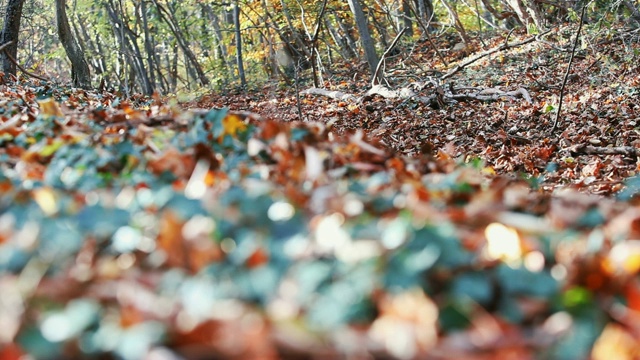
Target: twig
column 566, row 74
column 297, row 79
column 505, row 46
column 375, row 80
column 5, row 45
column 506, row 40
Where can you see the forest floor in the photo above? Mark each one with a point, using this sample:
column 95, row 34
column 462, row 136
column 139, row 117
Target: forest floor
column 372, row 228
column 592, row 147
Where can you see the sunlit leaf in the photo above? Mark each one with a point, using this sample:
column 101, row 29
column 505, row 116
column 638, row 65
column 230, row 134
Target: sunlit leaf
column 49, row 107
column 502, row 243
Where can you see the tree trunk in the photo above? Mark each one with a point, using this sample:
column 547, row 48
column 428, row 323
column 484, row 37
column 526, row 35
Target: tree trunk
column 365, row 36
column 10, row 33
column 80, row 74
column 236, row 21
column 172, row 22
column 406, row 15
column 425, row 9
column 151, row 64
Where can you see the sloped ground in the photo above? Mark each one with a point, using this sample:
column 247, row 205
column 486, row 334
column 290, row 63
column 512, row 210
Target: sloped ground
column 601, row 106
column 134, row 229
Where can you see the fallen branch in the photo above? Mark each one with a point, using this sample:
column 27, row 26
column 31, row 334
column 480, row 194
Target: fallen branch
column 493, row 95
column 402, row 93
column 337, row 95
column 490, row 94
column 487, row 53
column 583, row 149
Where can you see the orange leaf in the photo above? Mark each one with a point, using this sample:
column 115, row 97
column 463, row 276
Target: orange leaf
column 259, row 257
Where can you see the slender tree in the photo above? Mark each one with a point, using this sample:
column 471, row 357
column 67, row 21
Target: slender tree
column 365, row 36
column 236, row 22
column 80, row 74
column 10, row 34
column 148, row 44
column 406, row 15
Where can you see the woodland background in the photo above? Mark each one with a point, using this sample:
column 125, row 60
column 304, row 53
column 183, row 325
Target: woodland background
column 369, row 179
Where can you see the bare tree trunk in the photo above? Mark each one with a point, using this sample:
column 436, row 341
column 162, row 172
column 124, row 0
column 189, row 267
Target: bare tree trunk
column 425, row 9
column 151, row 64
column 294, row 32
column 173, row 66
column 365, row 36
column 528, row 13
column 79, row 68
column 406, row 15
column 236, row 21
column 170, row 19
column 10, row 33
column 316, row 61
column 380, row 28
column 533, row 8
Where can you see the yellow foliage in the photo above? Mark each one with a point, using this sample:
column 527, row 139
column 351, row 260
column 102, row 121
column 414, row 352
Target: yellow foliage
column 233, row 124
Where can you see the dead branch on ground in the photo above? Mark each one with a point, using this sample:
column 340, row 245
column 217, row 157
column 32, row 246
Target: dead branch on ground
column 336, row 95
column 583, row 149
column 451, row 95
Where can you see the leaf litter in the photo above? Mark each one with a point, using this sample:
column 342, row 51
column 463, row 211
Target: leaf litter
column 143, row 228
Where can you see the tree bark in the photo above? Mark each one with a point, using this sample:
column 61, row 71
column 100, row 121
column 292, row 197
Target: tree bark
column 236, row 21
column 406, row 15
column 80, row 74
column 10, row 33
column 148, row 45
column 365, row 36
column 425, row 9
